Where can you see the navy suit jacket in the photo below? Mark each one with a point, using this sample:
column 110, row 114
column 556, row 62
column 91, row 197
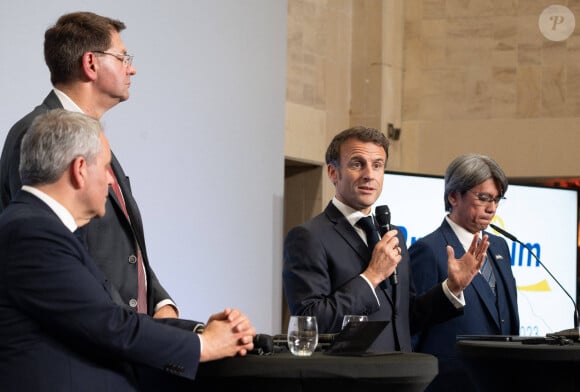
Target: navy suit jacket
column 60, row 329
column 323, row 260
column 112, row 239
column 481, row 315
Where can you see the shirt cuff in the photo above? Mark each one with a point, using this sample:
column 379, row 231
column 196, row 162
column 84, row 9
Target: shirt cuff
column 200, row 343
column 372, row 288
column 458, row 302
column 164, row 302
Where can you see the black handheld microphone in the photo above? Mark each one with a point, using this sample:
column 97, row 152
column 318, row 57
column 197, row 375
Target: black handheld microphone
column 513, row 238
column 383, row 215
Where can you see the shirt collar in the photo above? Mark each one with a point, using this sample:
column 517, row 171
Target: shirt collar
column 464, row 236
column 63, row 214
column 66, row 102
column 349, row 213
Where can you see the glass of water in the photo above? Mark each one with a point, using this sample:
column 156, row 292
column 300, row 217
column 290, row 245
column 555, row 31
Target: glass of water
column 302, row 335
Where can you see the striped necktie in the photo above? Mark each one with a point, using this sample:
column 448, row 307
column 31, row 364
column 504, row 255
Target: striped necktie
column 487, row 273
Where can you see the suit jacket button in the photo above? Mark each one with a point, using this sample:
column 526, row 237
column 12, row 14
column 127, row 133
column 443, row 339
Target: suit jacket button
column 132, row 259
column 133, row 303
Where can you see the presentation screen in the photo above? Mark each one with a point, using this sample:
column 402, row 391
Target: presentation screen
column 543, row 218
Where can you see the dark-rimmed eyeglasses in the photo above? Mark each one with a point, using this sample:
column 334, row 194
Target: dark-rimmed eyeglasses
column 126, row 59
column 485, row 198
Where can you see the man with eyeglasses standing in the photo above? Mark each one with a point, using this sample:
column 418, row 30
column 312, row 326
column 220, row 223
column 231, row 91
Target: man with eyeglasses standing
column 474, row 186
column 91, row 73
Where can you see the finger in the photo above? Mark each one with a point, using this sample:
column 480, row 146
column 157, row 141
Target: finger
column 474, row 244
column 246, row 339
column 233, row 315
column 390, row 235
column 217, row 316
column 397, row 251
column 450, row 252
column 482, row 246
column 485, row 241
column 242, row 325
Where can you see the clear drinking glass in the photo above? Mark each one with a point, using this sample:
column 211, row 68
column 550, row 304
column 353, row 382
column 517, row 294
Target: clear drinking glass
column 302, row 335
column 353, row 317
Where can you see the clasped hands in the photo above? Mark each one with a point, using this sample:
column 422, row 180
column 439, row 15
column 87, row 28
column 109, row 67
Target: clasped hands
column 227, row 334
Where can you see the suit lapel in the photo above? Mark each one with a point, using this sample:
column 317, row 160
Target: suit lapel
column 135, row 219
column 347, row 232
column 120, row 177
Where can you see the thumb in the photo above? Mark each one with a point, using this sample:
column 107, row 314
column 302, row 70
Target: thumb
column 450, row 252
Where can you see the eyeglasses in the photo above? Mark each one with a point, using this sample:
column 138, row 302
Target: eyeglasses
column 126, row 59
column 485, row 198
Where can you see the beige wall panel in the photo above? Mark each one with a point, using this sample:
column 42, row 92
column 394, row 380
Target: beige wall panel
column 524, row 148
column 305, row 135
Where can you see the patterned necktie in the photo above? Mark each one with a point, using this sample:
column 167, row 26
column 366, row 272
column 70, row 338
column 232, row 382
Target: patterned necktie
column 368, row 225
column 141, row 283
column 487, row 273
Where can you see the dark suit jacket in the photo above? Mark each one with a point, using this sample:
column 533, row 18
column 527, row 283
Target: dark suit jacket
column 59, row 327
column 429, row 266
column 112, row 239
column 323, row 260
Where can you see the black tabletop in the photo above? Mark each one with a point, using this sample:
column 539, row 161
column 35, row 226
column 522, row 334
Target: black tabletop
column 528, row 364
column 286, row 372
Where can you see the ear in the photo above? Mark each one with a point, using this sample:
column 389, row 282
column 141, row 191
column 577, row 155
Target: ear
column 453, row 198
column 89, row 65
column 332, row 173
column 78, row 172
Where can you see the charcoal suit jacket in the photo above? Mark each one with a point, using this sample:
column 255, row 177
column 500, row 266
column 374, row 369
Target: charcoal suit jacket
column 113, row 239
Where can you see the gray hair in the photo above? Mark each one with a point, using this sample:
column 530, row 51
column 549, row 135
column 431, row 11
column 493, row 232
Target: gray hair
column 53, row 141
column 469, row 170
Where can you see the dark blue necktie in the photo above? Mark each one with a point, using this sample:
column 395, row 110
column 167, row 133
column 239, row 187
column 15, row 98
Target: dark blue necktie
column 368, row 225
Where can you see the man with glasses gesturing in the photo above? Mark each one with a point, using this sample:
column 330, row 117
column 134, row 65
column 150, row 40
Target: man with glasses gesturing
column 91, row 73
column 474, row 186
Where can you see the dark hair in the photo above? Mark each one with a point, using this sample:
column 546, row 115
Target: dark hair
column 71, row 37
column 469, row 170
column 361, row 133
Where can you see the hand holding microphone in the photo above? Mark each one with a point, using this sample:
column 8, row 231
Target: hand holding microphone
column 383, row 215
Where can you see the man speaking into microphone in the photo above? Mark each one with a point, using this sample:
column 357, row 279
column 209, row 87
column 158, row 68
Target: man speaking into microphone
column 474, row 186
column 334, row 267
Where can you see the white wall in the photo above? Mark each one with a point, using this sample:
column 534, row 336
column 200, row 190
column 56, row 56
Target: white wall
column 201, row 137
